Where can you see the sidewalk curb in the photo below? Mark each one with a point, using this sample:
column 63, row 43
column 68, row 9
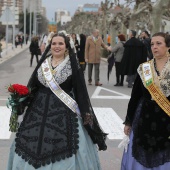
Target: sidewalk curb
column 12, row 54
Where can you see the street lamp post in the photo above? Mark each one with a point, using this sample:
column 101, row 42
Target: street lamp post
column 38, row 21
column 30, row 20
column 7, row 19
column 35, row 22
column 13, row 24
column 24, row 21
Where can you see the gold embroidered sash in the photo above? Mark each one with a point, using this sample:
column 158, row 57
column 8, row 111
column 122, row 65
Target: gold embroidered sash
column 155, row 92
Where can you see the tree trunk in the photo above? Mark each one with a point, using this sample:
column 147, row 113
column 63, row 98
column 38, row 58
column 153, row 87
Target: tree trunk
column 132, row 23
column 123, row 29
column 104, row 27
column 156, row 15
column 113, row 35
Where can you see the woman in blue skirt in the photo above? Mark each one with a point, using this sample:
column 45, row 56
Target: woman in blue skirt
column 59, row 130
column 148, row 116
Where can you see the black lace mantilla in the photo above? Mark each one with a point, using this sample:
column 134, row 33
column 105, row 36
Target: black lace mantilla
column 82, row 98
column 50, row 121
column 79, row 92
column 151, row 142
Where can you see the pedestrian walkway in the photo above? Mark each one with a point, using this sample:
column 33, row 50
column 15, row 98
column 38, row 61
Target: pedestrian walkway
column 11, row 51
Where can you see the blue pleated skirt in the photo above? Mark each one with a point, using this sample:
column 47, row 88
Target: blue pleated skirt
column 86, row 157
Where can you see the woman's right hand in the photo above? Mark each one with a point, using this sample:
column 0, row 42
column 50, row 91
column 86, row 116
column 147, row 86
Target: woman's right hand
column 109, row 48
column 127, row 130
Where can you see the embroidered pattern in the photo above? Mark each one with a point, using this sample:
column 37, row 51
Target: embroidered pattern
column 163, row 81
column 153, row 89
column 49, row 131
column 150, row 146
column 160, row 98
column 61, row 73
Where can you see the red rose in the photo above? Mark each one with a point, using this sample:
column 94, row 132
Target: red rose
column 11, row 89
column 19, row 89
column 18, row 94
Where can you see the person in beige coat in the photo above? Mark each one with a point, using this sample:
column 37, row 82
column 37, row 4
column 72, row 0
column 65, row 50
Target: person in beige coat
column 93, row 55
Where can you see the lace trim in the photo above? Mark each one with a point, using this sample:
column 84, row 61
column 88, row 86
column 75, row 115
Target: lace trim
column 59, row 132
column 61, row 72
column 163, row 81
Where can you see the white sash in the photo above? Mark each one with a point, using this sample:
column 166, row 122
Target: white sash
column 56, row 89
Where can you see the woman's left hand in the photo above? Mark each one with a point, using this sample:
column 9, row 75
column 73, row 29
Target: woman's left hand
column 88, row 119
column 127, row 130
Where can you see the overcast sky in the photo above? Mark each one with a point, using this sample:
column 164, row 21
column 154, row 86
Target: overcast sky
column 70, row 5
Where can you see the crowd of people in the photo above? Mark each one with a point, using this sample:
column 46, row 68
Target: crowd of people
column 59, row 128
column 19, row 40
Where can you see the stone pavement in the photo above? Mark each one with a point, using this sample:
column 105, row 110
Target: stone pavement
column 11, row 51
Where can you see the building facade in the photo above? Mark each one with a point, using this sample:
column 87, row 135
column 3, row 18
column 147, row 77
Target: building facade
column 90, row 7
column 9, row 3
column 60, row 13
column 65, row 19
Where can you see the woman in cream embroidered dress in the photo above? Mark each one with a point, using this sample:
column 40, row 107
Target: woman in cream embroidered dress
column 147, row 123
column 51, row 136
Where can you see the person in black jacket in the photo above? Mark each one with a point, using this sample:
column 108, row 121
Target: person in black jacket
column 147, row 41
column 34, row 49
column 81, row 51
column 134, row 54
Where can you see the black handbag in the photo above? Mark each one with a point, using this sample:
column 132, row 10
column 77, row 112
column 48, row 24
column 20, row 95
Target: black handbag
column 39, row 51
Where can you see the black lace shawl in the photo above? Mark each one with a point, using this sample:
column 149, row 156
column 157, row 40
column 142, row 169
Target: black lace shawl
column 82, row 98
column 151, row 128
column 49, row 131
column 51, row 153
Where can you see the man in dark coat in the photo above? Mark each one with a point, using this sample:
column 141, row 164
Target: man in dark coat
column 147, row 41
column 81, row 51
column 34, row 49
column 134, row 54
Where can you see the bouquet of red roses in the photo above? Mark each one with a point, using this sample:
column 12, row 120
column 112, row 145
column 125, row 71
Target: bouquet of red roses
column 18, row 95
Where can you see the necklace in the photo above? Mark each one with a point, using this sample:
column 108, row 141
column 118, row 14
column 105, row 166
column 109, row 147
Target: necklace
column 157, row 72
column 57, row 62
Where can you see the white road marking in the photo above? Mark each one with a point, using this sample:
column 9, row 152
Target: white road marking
column 4, row 122
column 110, row 122
column 118, row 96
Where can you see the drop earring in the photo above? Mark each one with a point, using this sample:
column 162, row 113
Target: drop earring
column 167, row 53
column 66, row 53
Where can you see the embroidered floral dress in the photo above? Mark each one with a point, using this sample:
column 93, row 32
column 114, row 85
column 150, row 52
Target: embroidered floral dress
column 149, row 147
column 51, row 136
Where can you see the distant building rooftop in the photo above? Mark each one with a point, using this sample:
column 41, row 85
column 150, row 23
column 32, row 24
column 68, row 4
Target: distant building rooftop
column 91, row 6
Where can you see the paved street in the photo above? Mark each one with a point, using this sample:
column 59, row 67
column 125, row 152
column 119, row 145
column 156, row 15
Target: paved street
column 109, row 103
